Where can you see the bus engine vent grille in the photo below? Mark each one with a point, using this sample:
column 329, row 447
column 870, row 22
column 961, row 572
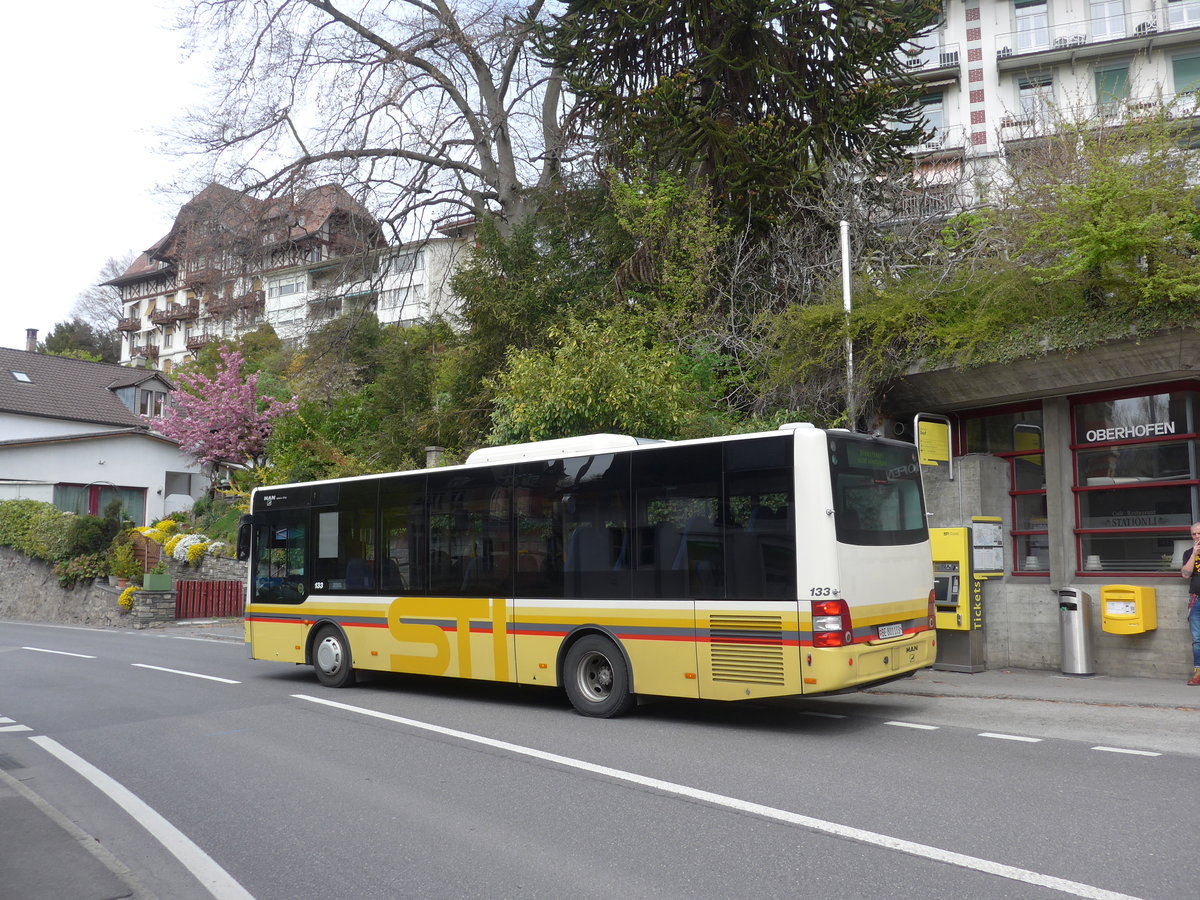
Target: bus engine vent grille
column 746, row 649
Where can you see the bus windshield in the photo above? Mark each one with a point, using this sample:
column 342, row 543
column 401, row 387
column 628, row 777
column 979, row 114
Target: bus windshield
column 877, row 496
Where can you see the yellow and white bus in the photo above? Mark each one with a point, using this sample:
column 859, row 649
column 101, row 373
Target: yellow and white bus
column 758, row 565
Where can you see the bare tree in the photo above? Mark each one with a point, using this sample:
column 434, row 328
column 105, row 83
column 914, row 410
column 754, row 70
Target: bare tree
column 430, row 108
column 100, row 305
column 900, row 226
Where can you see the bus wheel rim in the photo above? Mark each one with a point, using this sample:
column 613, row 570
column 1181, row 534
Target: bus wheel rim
column 329, row 655
column 596, row 676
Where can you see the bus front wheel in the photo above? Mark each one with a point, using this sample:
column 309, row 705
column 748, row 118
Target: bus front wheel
column 596, row 678
column 331, row 658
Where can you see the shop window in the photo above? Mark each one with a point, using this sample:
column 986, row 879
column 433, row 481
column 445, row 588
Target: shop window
column 1016, row 436
column 1135, row 480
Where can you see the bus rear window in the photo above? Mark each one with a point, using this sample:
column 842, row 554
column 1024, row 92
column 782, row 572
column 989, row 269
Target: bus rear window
column 876, row 491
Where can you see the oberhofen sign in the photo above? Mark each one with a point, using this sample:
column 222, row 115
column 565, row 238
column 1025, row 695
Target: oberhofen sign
column 1128, row 432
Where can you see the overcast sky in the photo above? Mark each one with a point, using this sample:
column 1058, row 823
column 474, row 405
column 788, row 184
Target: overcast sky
column 88, row 83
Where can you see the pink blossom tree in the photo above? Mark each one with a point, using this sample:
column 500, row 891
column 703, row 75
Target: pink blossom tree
column 221, row 419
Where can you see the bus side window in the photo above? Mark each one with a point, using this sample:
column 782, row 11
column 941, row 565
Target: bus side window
column 469, row 533
column 680, row 545
column 572, row 527
column 402, row 520
column 760, row 529
column 346, row 551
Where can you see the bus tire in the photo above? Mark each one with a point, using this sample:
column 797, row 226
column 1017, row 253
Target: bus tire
column 331, row 658
column 596, row 678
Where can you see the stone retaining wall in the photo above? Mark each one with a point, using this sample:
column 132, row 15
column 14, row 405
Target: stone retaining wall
column 30, row 592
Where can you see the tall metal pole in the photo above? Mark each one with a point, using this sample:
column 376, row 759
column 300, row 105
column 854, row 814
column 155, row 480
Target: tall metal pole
column 851, row 412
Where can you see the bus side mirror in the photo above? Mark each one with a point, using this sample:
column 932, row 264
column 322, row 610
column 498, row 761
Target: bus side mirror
column 245, row 529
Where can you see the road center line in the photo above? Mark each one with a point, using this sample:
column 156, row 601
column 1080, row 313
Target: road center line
column 218, row 882
column 916, row 725
column 925, row 851
column 189, row 674
column 58, row 652
column 1010, row 737
column 1131, row 752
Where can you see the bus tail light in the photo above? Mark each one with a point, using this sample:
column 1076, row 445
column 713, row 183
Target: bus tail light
column 932, row 610
column 831, row 625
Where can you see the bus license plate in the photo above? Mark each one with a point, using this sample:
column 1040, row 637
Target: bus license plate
column 891, row 631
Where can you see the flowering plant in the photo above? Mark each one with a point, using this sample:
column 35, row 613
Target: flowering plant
column 125, row 601
column 190, row 548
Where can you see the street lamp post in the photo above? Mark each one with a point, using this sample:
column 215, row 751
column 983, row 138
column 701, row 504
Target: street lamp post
column 851, row 412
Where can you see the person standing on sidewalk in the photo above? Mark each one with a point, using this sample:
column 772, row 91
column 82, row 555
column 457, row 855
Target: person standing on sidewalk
column 1191, row 572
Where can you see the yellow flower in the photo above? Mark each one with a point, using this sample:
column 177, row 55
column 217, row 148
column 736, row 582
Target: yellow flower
column 169, row 547
column 196, row 552
column 125, row 601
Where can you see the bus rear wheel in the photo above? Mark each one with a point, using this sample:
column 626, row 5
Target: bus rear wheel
column 596, row 678
column 331, row 658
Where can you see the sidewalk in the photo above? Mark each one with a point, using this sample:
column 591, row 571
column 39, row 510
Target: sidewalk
column 1050, row 686
column 46, row 856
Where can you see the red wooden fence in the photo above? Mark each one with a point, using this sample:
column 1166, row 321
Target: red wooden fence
column 205, row 599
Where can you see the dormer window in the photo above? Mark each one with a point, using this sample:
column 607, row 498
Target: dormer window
column 150, row 403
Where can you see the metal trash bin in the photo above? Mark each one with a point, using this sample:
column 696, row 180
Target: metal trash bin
column 1075, row 619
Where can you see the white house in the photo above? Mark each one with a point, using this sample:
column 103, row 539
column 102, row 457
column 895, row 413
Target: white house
column 71, row 434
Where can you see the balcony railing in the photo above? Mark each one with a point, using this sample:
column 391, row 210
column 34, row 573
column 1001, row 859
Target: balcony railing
column 933, row 58
column 164, row 316
column 133, row 323
column 205, row 275
column 218, row 304
column 252, row 300
column 149, row 351
column 196, row 341
column 1109, row 114
column 184, row 311
column 952, row 137
column 1086, row 32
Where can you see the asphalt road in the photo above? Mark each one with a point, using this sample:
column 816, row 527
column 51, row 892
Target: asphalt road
column 270, row 785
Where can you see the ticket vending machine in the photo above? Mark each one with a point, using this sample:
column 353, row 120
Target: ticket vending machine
column 958, row 599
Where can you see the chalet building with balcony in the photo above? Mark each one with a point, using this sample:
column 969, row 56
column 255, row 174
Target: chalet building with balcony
column 231, row 263
column 1083, row 468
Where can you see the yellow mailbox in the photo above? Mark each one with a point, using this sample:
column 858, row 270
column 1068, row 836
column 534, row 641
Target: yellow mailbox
column 1128, row 609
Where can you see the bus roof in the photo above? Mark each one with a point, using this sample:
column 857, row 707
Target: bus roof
column 572, row 446
column 584, row 445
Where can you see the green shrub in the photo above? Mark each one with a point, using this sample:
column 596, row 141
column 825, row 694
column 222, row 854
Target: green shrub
column 36, row 529
column 123, row 561
column 87, row 535
column 81, row 568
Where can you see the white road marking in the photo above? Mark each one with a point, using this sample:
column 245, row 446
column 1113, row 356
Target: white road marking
column 15, row 728
column 189, row 674
column 912, row 725
column 989, row 867
column 821, row 715
column 1131, row 752
column 1010, row 737
column 58, row 652
column 219, row 883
